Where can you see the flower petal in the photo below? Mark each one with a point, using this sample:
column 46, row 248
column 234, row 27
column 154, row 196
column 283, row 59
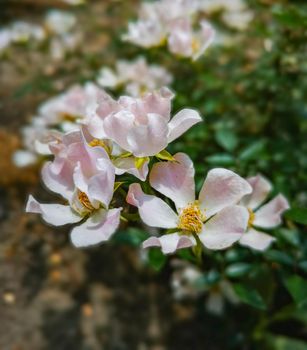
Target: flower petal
column 170, row 243
column 222, row 188
column 269, row 215
column 153, row 211
column 175, row 180
column 182, row 122
column 61, row 183
column 127, row 165
column 54, row 214
column 261, row 188
column 256, row 240
column 225, row 228
column 101, row 185
column 98, row 228
column 150, row 138
column 117, row 126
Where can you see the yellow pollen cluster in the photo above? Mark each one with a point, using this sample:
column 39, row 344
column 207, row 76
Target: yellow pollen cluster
column 195, row 45
column 251, row 217
column 83, row 199
column 191, row 219
column 96, row 142
column 69, row 117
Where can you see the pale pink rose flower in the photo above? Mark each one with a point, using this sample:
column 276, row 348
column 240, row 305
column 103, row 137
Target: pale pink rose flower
column 171, row 21
column 142, row 126
column 145, row 33
column 136, row 76
column 214, row 217
column 266, row 216
column 122, row 162
column 186, row 42
column 85, row 177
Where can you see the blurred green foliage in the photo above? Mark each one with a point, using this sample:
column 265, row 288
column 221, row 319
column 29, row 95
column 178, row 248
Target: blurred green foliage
column 253, row 97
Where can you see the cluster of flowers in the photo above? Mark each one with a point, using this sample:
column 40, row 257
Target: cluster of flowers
column 136, row 77
column 58, row 26
column 111, row 137
column 235, row 14
column 171, row 22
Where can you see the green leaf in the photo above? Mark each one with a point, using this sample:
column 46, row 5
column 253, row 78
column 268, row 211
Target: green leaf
column 226, row 138
column 279, row 257
column 164, row 155
column 237, row 270
column 117, row 185
column 156, row 259
column 249, row 296
column 298, row 215
column 278, row 342
column 297, row 287
column 252, row 151
column 132, row 236
column 290, row 236
column 221, row 159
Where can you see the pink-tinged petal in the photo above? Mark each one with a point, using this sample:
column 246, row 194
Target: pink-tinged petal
column 61, row 183
column 153, row 211
column 150, row 138
column 205, row 39
column 54, row 214
column 95, row 127
column 127, row 165
column 261, row 188
column 181, row 37
column 170, row 243
column 101, row 185
column 256, row 240
column 225, row 228
column 159, row 102
column 79, row 179
column 175, row 180
column 98, row 228
column 182, row 122
column 222, row 188
column 269, row 215
column 117, row 126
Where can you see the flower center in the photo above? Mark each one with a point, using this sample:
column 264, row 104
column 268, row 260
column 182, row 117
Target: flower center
column 251, row 217
column 83, row 199
column 96, row 142
column 191, row 219
column 195, row 45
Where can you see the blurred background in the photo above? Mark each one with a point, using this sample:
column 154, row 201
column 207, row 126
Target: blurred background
column 251, row 89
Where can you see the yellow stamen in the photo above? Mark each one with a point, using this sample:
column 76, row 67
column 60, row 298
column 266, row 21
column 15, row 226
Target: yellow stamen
column 84, row 200
column 195, row 45
column 96, row 142
column 68, row 117
column 251, row 217
column 191, row 219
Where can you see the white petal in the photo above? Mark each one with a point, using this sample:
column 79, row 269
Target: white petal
column 222, row 188
column 127, row 165
column 175, row 180
column 54, row 214
column 98, row 228
column 225, row 228
column 269, row 215
column 261, row 188
column 170, row 243
column 153, row 211
column 256, row 240
column 182, row 122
